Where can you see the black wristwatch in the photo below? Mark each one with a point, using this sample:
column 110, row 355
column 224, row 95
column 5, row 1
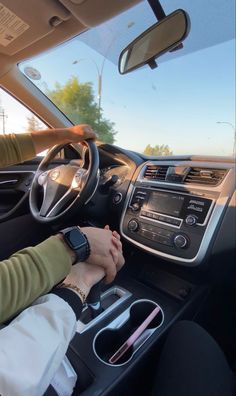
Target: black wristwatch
column 77, row 241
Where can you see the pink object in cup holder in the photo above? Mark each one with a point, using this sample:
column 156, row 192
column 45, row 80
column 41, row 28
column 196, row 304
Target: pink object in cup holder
column 137, row 333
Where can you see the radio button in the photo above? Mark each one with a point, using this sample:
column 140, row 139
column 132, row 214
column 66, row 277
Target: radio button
column 135, row 206
column 176, row 222
column 180, row 241
column 155, row 216
column 133, row 225
column 163, row 240
column 168, row 234
column 191, row 220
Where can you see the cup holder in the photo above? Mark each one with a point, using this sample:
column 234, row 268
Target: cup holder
column 111, row 338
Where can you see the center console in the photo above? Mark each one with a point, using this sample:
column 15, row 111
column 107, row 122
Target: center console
column 172, row 214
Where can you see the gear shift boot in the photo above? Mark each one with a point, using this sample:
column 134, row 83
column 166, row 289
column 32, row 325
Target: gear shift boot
column 98, row 308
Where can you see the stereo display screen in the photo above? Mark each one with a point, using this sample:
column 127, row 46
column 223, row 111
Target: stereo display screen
column 165, row 203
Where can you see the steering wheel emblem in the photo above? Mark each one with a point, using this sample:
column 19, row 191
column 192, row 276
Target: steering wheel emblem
column 54, row 175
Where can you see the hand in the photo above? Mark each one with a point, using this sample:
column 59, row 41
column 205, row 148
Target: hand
column 81, row 132
column 104, row 252
column 84, row 276
column 117, row 243
column 45, row 139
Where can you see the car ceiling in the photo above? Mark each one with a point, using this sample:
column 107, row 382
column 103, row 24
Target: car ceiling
column 50, row 22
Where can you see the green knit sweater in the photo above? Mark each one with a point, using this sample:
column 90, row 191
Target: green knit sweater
column 30, row 272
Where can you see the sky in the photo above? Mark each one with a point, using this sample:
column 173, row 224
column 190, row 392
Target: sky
column 178, row 104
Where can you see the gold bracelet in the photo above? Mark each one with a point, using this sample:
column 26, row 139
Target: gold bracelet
column 76, row 289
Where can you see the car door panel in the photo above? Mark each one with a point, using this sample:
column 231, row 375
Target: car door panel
column 14, row 189
column 15, row 182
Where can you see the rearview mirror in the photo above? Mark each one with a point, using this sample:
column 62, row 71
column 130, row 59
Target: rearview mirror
column 160, row 38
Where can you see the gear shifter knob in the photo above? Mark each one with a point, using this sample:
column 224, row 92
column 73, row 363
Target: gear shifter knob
column 94, row 300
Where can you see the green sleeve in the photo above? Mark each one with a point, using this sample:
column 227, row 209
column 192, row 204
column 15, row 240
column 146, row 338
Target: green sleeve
column 31, row 273
column 16, row 148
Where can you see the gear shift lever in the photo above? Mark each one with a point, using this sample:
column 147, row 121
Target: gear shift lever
column 94, row 300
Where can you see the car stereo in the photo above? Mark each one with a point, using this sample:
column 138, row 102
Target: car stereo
column 168, row 207
column 172, row 223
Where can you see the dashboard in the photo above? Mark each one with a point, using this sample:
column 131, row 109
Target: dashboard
column 171, row 208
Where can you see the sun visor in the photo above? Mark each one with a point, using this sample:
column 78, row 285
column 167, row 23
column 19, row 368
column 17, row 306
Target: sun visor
column 24, row 22
column 93, row 12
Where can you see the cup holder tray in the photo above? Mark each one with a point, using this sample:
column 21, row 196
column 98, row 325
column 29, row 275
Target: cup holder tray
column 109, row 339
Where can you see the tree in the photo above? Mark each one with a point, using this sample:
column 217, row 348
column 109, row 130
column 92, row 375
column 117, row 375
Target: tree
column 77, row 101
column 33, row 124
column 160, row 150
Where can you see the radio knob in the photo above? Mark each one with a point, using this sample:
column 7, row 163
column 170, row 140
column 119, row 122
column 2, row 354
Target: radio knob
column 191, row 220
column 135, row 206
column 180, row 241
column 133, row 225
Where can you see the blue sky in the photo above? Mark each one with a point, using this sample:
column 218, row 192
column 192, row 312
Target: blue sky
column 177, row 104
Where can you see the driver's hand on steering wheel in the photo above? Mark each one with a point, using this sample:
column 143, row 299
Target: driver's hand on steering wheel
column 78, row 133
column 44, row 139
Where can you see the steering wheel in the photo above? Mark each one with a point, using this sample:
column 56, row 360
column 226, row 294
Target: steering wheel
column 58, row 192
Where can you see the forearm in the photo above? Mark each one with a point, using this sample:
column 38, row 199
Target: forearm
column 48, row 138
column 43, row 331
column 30, row 273
column 16, row 148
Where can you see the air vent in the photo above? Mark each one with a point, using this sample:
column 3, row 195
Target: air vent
column 155, row 172
column 206, row 176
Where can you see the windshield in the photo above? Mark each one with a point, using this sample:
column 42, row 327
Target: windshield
column 185, row 106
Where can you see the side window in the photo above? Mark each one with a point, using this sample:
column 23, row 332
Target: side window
column 16, row 118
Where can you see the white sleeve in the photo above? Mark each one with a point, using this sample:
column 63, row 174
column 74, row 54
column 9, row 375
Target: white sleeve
column 33, row 345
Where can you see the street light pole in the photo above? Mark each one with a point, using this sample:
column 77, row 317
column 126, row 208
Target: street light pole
column 3, row 116
column 100, row 70
column 234, row 129
column 99, row 73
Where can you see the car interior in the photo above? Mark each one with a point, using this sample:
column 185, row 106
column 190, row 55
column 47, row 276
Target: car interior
column 175, row 211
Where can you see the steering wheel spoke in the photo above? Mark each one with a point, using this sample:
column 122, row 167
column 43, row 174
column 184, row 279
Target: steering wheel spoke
column 42, row 177
column 58, row 206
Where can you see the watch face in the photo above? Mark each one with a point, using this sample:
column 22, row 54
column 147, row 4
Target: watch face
column 75, row 238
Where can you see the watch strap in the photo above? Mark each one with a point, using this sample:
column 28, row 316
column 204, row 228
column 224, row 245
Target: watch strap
column 82, row 251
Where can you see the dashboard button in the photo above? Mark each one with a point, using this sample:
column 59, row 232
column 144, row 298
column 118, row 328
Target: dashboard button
column 146, row 234
column 191, row 220
column 135, row 206
column 163, row 240
column 133, row 225
column 117, row 198
column 176, row 222
column 168, row 234
column 180, row 241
